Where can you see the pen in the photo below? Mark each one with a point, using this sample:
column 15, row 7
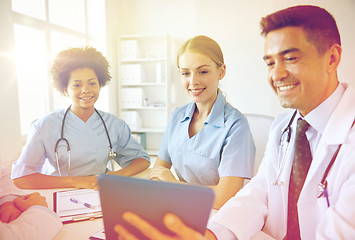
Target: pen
column 88, row 205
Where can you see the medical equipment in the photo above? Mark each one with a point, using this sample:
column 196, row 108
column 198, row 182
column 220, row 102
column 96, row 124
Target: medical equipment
column 281, row 147
column 111, row 154
column 322, row 186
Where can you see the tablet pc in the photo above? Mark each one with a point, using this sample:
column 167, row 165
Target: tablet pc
column 152, row 200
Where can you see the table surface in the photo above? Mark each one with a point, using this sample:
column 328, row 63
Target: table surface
column 77, row 230
column 70, row 231
column 84, row 229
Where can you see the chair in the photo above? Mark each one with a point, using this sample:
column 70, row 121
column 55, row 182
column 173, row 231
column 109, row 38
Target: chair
column 259, row 128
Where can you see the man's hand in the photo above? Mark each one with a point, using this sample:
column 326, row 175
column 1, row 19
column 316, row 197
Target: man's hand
column 172, row 222
column 9, row 212
column 30, row 200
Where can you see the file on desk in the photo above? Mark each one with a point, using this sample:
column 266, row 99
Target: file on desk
column 77, row 205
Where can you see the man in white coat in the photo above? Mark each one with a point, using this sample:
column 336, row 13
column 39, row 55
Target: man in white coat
column 302, row 53
column 24, row 216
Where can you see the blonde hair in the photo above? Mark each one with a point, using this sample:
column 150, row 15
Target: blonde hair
column 203, row 45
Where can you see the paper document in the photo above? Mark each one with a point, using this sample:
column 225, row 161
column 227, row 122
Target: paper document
column 77, row 205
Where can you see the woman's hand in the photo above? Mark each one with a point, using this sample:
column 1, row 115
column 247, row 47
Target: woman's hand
column 30, row 200
column 9, row 212
column 171, row 221
column 42, row 181
column 86, row 182
column 162, row 174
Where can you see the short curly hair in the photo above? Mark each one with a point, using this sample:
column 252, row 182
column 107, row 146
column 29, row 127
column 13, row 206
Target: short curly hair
column 74, row 58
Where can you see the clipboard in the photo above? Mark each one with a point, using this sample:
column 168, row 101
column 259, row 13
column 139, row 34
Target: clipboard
column 70, row 205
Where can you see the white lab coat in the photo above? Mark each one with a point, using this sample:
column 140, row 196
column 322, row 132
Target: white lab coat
column 262, row 205
column 37, row 222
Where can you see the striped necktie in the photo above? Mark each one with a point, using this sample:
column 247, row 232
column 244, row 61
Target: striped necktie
column 301, row 163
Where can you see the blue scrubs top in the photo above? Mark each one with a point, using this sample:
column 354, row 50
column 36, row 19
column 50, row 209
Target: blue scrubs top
column 88, row 142
column 223, row 148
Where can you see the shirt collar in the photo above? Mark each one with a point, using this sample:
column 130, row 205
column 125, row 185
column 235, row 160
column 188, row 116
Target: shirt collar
column 188, row 112
column 318, row 117
column 216, row 116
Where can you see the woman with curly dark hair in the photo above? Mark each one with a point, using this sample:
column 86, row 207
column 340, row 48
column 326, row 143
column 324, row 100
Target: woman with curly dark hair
column 70, row 147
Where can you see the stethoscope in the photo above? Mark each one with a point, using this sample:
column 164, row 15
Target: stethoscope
column 111, row 154
column 285, row 133
column 323, row 185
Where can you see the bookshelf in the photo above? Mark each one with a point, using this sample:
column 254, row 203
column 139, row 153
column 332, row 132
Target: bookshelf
column 144, row 86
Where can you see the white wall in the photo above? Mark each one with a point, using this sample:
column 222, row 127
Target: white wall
column 235, row 26
column 233, row 23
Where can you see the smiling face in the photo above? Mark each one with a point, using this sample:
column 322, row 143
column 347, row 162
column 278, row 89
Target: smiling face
column 83, row 89
column 200, row 77
column 298, row 74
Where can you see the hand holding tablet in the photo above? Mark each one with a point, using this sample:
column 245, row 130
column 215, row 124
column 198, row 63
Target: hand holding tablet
column 152, row 201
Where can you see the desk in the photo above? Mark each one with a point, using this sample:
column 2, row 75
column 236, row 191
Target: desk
column 259, row 236
column 84, row 229
column 70, row 231
column 79, row 230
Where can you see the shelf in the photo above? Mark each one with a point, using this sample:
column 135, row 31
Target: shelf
column 144, row 36
column 152, row 152
column 143, row 108
column 149, row 130
column 145, row 84
column 142, row 60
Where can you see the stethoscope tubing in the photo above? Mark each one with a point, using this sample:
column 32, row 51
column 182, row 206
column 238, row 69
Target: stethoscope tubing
column 287, row 130
column 62, row 138
column 322, row 186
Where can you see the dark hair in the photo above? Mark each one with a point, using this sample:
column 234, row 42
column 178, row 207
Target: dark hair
column 74, row 58
column 319, row 25
column 203, row 45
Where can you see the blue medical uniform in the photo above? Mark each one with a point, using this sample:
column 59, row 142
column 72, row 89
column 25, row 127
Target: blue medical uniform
column 223, row 148
column 88, row 141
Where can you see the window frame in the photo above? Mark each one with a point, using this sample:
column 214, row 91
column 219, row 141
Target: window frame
column 47, row 27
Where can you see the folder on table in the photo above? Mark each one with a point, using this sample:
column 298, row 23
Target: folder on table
column 77, row 205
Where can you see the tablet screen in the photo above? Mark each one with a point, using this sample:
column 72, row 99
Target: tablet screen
column 152, row 200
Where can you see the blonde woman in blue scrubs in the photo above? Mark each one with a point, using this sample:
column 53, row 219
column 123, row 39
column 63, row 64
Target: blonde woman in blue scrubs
column 92, row 135
column 208, row 142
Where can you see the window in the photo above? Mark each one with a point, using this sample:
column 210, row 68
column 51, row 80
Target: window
column 43, row 28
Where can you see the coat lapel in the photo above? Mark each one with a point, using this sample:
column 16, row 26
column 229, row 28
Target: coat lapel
column 335, row 133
